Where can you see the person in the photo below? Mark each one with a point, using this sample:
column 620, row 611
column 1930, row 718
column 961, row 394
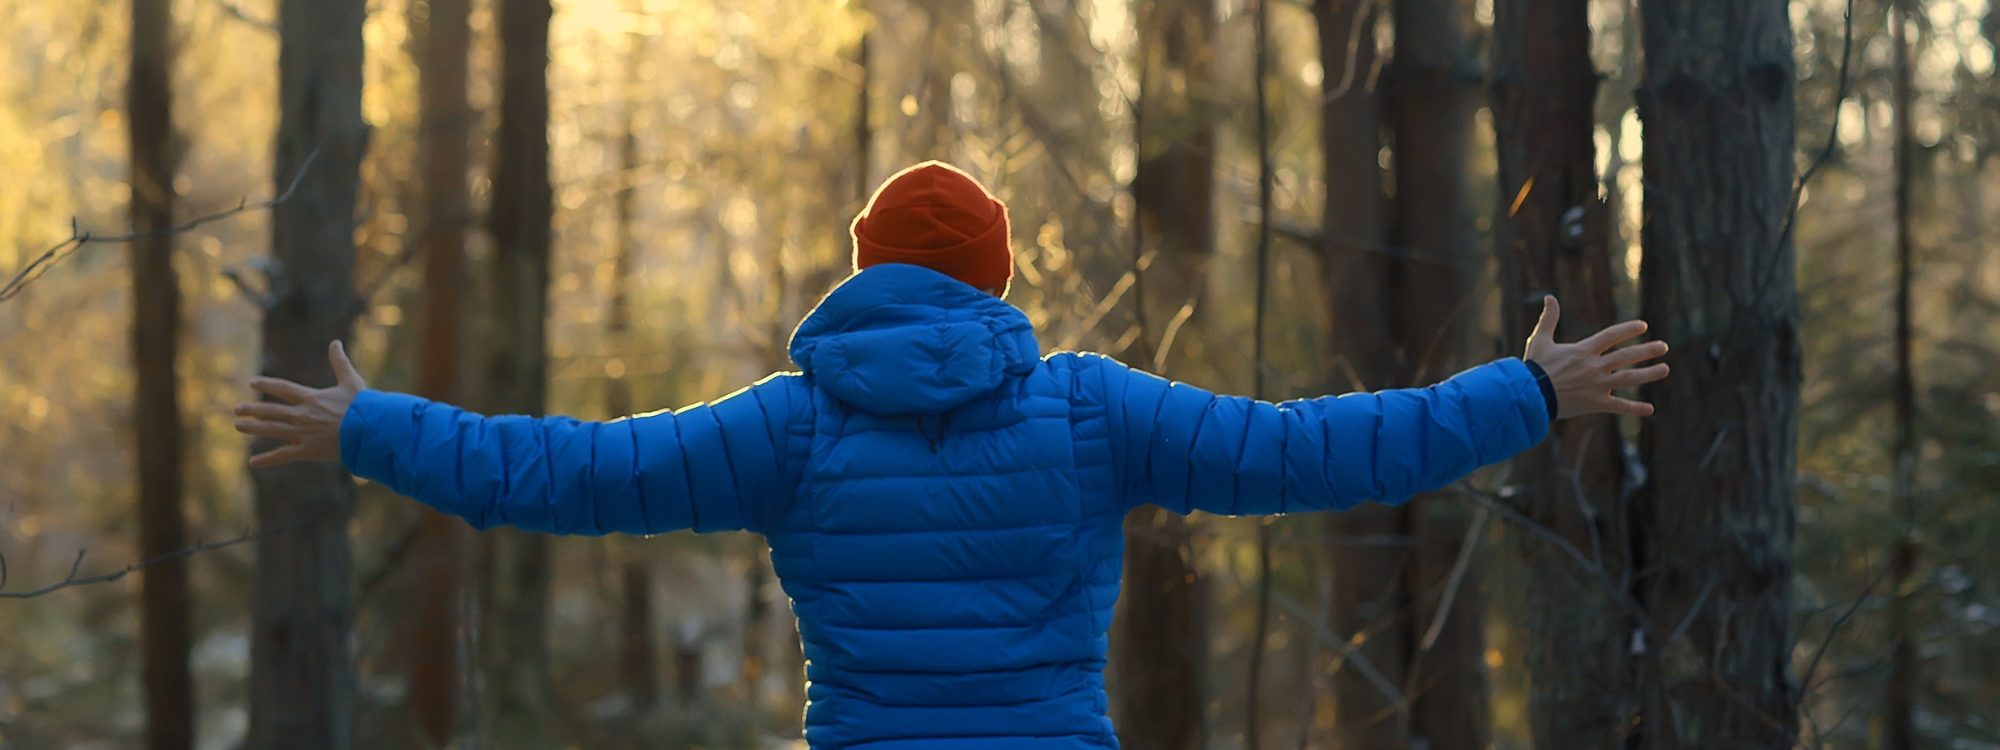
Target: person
column 943, row 501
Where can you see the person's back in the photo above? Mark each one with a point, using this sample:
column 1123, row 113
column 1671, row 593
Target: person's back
column 943, row 503
column 950, row 549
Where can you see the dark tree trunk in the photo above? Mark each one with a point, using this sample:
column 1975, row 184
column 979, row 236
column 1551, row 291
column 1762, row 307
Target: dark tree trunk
column 638, row 651
column 1159, row 643
column 1715, row 523
column 1175, row 189
column 439, row 556
column 515, row 649
column 1159, row 647
column 864, row 131
column 1369, row 545
column 156, row 327
column 931, row 132
column 1436, row 302
column 638, row 665
column 302, row 672
column 1551, row 235
column 1900, row 702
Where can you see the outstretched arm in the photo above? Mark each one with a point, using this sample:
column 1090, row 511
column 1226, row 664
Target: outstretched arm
column 709, row 467
column 1186, row 449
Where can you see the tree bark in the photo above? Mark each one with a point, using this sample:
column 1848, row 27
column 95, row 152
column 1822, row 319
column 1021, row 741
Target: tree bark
column 302, row 674
column 1715, row 522
column 1900, row 700
column 1552, row 237
column 1431, row 109
column 443, row 28
column 1369, row 550
column 515, row 648
column 166, row 632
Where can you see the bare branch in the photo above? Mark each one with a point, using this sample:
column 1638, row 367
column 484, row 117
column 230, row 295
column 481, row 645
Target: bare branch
column 413, row 248
column 1812, row 665
column 1457, row 579
column 1596, row 571
column 61, row 251
column 1350, row 653
column 71, row 579
column 237, row 12
column 1766, row 272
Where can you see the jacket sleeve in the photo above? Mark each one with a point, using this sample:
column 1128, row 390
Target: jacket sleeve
column 710, row 467
column 1186, row 449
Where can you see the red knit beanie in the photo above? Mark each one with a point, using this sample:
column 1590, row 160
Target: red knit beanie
column 936, row 216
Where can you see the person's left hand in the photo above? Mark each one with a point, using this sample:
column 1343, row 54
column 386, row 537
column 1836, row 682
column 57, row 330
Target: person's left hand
column 308, row 420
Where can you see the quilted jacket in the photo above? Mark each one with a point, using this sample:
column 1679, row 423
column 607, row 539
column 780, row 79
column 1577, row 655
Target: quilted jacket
column 943, row 503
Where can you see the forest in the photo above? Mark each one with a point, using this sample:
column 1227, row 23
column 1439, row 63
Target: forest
column 599, row 208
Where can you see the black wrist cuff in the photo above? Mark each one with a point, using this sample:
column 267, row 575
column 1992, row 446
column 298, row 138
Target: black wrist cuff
column 1548, row 386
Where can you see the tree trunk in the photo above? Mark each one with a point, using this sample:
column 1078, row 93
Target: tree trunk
column 1159, row 647
column 439, row 556
column 1900, row 702
column 1159, row 644
column 1715, row 523
column 639, row 660
column 638, row 665
column 515, row 647
column 1431, row 110
column 1175, row 189
column 864, row 131
column 932, row 131
column 156, row 327
column 302, row 672
column 1552, row 238
column 1369, row 545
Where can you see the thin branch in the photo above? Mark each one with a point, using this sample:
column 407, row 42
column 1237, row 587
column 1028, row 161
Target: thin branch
column 71, row 578
column 1812, row 665
column 237, row 12
column 1687, row 620
column 61, row 251
column 1767, row 272
column 1457, row 580
column 1350, row 653
column 1623, row 597
column 1832, row 129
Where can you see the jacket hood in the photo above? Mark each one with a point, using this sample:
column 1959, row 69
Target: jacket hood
column 902, row 339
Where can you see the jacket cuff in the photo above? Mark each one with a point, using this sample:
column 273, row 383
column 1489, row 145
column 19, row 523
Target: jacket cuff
column 1548, row 386
column 360, row 451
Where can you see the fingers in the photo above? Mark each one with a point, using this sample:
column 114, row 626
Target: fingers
column 1638, row 377
column 1602, row 341
column 270, row 411
column 281, row 389
column 1545, row 328
column 263, row 429
column 280, row 455
column 1628, row 407
column 343, row 369
column 1622, row 358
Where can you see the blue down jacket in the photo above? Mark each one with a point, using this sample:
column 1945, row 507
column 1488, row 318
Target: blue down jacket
column 942, row 502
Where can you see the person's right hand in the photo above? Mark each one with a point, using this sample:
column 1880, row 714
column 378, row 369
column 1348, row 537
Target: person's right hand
column 1585, row 373
column 308, row 421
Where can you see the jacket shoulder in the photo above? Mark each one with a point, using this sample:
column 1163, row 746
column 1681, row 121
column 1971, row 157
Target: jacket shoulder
column 1083, row 374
